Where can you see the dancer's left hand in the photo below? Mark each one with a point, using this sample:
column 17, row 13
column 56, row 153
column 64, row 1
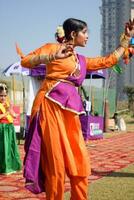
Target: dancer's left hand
column 129, row 28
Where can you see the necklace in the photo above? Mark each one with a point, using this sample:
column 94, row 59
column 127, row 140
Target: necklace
column 76, row 71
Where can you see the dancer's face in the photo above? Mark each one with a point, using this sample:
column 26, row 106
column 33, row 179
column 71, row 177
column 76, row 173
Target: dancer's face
column 81, row 38
column 3, row 95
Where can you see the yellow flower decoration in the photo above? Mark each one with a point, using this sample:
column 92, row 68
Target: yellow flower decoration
column 60, row 32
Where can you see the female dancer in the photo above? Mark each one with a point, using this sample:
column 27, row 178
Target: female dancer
column 55, row 145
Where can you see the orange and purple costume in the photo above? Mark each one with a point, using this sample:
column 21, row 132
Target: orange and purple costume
column 55, row 145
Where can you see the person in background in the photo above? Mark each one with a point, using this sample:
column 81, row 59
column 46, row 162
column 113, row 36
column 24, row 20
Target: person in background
column 9, row 154
column 116, row 120
column 55, row 145
column 120, row 124
column 87, row 105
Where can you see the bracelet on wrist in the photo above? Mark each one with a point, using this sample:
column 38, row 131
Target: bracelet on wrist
column 42, row 59
column 52, row 57
column 124, row 40
column 119, row 52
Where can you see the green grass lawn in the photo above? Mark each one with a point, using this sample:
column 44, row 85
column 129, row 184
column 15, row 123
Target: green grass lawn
column 118, row 185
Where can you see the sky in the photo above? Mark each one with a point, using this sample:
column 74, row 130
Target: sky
column 32, row 23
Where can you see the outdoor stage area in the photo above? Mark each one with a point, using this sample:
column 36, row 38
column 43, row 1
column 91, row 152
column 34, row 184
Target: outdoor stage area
column 107, row 155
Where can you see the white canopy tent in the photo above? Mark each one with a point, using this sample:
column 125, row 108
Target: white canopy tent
column 33, row 84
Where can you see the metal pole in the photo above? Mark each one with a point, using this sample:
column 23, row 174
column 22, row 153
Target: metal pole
column 13, row 83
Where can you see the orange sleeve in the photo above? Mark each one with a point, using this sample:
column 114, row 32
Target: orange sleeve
column 44, row 50
column 97, row 63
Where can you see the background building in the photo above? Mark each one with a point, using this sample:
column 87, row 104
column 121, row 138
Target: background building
column 115, row 13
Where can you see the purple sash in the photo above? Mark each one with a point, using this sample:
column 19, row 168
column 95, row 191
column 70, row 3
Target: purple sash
column 77, row 80
column 66, row 95
column 32, row 168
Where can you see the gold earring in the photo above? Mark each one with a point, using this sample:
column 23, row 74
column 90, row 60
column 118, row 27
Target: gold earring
column 73, row 40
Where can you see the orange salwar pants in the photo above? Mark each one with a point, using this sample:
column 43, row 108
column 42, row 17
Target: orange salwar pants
column 63, row 151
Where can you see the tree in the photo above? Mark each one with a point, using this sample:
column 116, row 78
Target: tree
column 129, row 90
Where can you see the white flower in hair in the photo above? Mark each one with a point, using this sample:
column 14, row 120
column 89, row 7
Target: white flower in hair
column 60, row 32
column 3, row 85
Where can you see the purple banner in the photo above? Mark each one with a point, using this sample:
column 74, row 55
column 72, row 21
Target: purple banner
column 92, row 127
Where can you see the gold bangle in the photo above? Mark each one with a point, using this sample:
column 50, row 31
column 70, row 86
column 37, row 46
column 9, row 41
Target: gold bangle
column 35, row 60
column 52, row 57
column 124, row 40
column 39, row 59
column 117, row 54
column 44, row 59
